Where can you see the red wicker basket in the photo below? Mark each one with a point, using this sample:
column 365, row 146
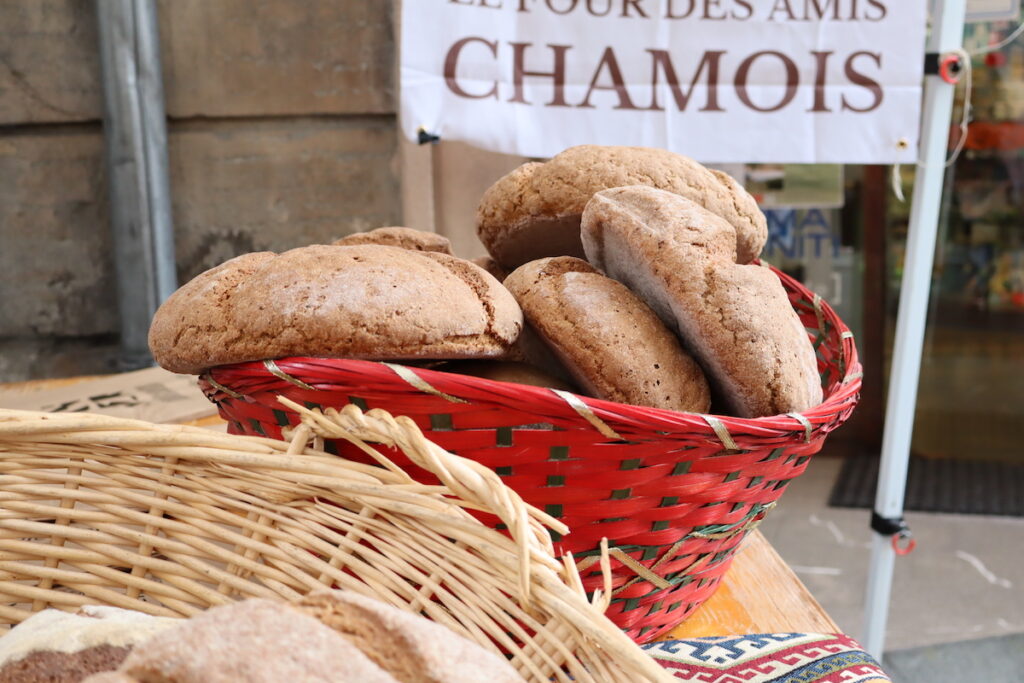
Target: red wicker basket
column 674, row 493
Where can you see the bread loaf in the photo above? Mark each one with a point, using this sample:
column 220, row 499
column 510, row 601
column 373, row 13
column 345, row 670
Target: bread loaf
column 736, row 319
column 257, row 641
column 61, row 647
column 410, row 648
column 535, row 210
column 406, row 238
column 613, row 345
column 368, row 302
column 507, row 371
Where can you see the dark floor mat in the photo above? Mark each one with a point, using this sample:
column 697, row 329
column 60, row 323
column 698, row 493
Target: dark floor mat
column 990, row 660
column 938, row 485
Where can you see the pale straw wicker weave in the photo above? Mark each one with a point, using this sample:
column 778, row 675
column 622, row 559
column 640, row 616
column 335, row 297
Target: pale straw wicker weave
column 170, row 520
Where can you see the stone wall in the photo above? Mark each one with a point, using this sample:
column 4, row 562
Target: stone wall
column 281, row 133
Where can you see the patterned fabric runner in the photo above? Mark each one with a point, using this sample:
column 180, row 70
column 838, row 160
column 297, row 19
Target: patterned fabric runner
column 769, row 658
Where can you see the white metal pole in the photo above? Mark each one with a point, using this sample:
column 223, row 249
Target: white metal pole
column 946, row 35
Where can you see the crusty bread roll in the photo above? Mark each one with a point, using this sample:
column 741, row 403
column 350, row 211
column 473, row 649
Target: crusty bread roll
column 736, row 319
column 507, row 371
column 613, row 345
column 491, row 266
column 409, row 647
column 369, row 302
column 336, row 636
column 534, row 211
column 63, row 647
column 257, row 641
column 406, row 238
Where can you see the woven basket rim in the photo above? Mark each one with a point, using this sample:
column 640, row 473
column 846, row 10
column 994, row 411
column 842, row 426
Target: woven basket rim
column 240, row 378
column 114, row 521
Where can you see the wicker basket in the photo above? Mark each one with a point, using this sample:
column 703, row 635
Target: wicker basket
column 675, row 493
column 171, row 520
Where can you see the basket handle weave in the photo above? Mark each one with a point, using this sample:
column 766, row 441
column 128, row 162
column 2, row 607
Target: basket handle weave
column 470, row 481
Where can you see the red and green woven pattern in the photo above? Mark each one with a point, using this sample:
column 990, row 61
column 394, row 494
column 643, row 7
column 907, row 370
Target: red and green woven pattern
column 674, row 493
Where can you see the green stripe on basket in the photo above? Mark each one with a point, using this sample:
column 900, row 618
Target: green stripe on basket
column 681, row 467
column 673, row 607
column 630, row 604
column 659, row 526
column 754, row 481
column 668, row 501
column 773, row 455
column 651, row 551
column 501, row 526
column 282, row 418
column 644, row 630
column 441, row 423
column 553, row 509
column 358, row 402
column 736, row 507
column 555, row 536
column 802, row 459
column 257, row 427
column 620, row 494
column 556, row 480
column 503, row 437
column 655, row 607
column 556, row 453
column 781, row 484
column 503, row 471
column 331, row 446
column 631, row 464
column 732, row 476
column 312, row 405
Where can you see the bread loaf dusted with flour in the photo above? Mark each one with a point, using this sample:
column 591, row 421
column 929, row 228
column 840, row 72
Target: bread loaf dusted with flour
column 535, row 210
column 613, row 345
column 394, row 236
column 736, row 319
column 368, row 301
column 64, row 647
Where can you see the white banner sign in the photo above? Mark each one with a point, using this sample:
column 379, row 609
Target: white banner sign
column 798, row 81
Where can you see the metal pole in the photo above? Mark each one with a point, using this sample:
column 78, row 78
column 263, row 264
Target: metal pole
column 135, row 132
column 946, row 35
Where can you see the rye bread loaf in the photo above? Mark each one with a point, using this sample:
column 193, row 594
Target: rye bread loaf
column 257, row 641
column 409, row 647
column 406, row 238
column 534, row 211
column 613, row 345
column 367, row 301
column 491, row 266
column 63, row 647
column 515, row 372
column 736, row 319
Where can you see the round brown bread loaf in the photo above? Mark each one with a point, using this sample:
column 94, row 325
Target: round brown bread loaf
column 409, row 647
column 257, row 641
column 406, row 238
column 736, row 319
column 613, row 345
column 369, row 302
column 534, row 211
column 507, row 371
column 491, row 266
column 61, row 647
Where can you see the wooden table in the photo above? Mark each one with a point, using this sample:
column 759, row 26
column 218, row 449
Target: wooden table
column 759, row 593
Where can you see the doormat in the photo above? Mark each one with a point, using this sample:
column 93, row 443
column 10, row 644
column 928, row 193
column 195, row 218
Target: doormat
column 937, row 485
column 999, row 658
